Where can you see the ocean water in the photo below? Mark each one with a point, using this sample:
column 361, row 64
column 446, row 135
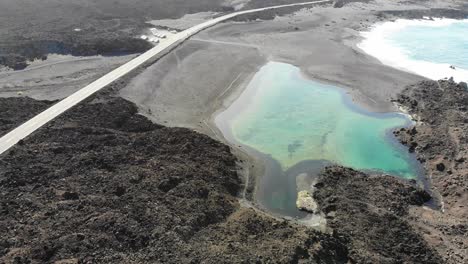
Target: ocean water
column 293, row 120
column 424, row 47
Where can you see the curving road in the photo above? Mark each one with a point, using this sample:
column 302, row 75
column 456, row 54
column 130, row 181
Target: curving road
column 165, row 47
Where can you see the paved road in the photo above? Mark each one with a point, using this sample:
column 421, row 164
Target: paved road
column 166, row 46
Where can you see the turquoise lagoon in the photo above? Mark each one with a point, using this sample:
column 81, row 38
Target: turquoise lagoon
column 300, row 125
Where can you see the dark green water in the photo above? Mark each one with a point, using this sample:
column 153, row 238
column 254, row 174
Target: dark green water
column 299, row 125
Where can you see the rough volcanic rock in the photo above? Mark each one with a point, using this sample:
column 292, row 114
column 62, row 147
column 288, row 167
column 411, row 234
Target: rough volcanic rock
column 369, row 213
column 102, row 184
column 440, row 141
column 16, row 110
column 255, row 238
column 440, row 137
column 87, row 27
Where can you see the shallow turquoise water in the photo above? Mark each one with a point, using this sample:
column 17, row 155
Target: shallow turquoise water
column 295, row 119
column 440, row 44
column 298, row 126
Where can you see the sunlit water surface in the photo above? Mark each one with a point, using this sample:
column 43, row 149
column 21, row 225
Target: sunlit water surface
column 301, row 125
column 435, row 49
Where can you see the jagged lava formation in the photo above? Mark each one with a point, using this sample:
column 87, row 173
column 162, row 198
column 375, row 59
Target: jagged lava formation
column 440, row 141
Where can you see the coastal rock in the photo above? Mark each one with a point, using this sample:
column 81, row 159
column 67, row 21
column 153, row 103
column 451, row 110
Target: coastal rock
column 371, row 213
column 444, row 149
column 305, row 202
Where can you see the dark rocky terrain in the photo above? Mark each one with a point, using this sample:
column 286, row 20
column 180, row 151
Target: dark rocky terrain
column 440, row 140
column 102, row 184
column 33, row 29
column 16, row 56
column 440, row 137
column 370, row 213
column 14, row 111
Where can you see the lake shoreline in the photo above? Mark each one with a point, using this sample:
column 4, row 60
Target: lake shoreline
column 350, row 40
column 272, row 171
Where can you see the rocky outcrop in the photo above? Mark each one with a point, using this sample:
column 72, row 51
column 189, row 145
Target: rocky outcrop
column 370, row 213
column 440, row 138
column 440, row 142
column 102, row 184
column 15, row 111
column 305, row 202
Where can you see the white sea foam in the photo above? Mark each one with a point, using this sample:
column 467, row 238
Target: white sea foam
column 376, row 43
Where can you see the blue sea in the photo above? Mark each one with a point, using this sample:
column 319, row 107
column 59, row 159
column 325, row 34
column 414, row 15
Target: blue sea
column 440, row 44
column 435, row 49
